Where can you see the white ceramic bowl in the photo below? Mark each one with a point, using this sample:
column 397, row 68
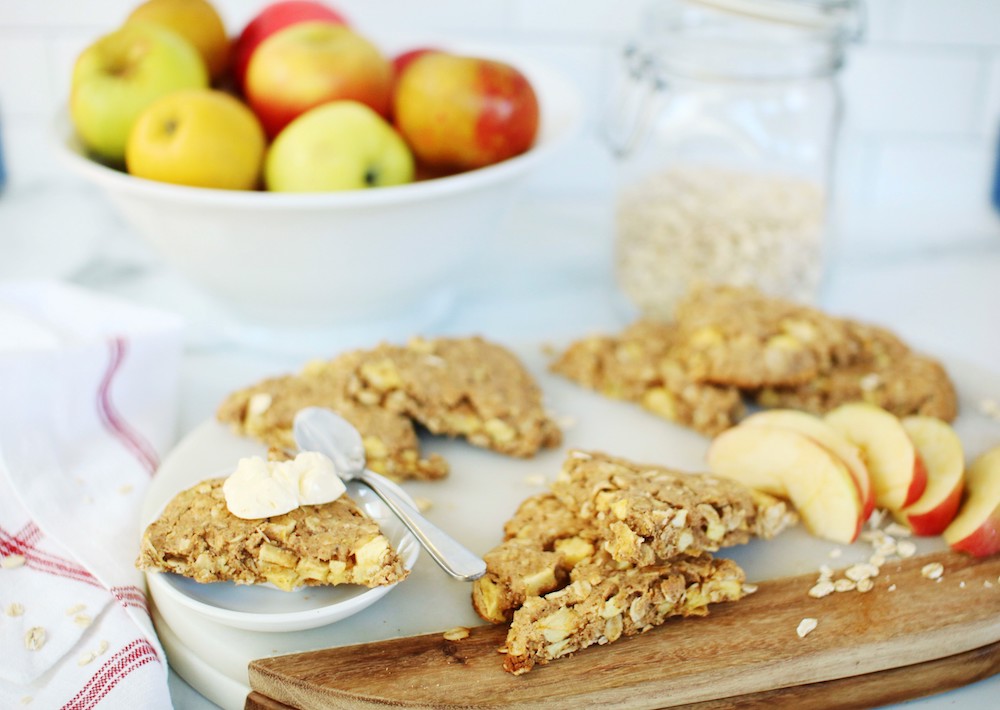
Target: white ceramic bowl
column 340, row 257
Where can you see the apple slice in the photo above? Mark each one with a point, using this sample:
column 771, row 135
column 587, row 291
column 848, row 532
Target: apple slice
column 976, row 528
column 897, row 473
column 941, row 451
column 790, row 465
column 827, row 437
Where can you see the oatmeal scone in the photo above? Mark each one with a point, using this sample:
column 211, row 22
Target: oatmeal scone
column 334, row 543
column 603, row 603
column 266, row 411
column 647, row 514
column 740, row 337
column 883, row 372
column 638, row 365
column 466, row 387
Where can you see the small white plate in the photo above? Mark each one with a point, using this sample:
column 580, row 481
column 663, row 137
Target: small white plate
column 263, row 607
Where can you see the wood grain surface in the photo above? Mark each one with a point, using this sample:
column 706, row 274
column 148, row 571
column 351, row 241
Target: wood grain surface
column 921, row 637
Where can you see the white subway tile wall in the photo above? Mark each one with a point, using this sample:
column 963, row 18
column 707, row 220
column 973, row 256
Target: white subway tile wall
column 919, row 143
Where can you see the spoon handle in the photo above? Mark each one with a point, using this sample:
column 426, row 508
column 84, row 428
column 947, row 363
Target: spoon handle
column 451, row 556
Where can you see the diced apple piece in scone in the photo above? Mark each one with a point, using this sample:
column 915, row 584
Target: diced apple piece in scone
column 941, row 451
column 827, row 437
column 334, row 543
column 787, row 464
column 893, row 462
column 976, row 528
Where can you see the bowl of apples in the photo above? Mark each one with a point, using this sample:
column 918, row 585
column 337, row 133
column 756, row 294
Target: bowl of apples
column 301, row 173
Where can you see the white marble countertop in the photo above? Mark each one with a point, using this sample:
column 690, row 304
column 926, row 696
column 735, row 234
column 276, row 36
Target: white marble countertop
column 546, row 277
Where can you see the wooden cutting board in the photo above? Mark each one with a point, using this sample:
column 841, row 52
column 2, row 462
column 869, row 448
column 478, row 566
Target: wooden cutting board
column 910, row 636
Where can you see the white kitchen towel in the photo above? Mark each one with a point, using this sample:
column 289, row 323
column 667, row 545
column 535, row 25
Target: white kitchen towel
column 88, row 404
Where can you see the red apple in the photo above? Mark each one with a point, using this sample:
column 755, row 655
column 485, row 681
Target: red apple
column 790, row 465
column 271, row 19
column 897, row 473
column 403, row 60
column 464, row 112
column 976, row 529
column 941, row 451
column 313, row 63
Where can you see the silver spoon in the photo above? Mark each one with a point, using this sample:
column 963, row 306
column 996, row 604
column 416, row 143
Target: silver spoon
column 319, row 429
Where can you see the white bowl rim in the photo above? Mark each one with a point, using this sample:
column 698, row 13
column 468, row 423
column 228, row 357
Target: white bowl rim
column 570, row 108
column 293, row 620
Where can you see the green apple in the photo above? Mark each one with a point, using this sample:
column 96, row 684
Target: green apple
column 342, row 145
column 120, row 74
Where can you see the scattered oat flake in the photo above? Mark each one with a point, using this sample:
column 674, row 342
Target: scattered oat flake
column 861, row 571
column 991, row 408
column 14, row 609
column 844, row 585
column 892, row 587
column 865, row 585
column 125, row 490
column 876, row 560
column 102, row 647
column 423, row 504
column 961, row 585
column 34, row 639
column 535, row 479
column 456, row 634
column 836, row 553
column 821, row 589
column 12, row 561
column 932, row 570
column 825, row 572
column 82, row 620
column 749, row 588
column 875, row 521
column 987, row 584
column 75, row 609
column 806, row 626
column 85, row 658
column 898, row 530
column 906, row 548
column 26, row 700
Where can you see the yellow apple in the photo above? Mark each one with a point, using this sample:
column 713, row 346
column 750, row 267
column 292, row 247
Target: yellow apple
column 342, row 145
column 312, row 63
column 195, row 20
column 119, row 75
column 464, row 112
column 197, row 137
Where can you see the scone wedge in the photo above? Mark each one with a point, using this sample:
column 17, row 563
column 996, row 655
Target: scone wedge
column 334, row 543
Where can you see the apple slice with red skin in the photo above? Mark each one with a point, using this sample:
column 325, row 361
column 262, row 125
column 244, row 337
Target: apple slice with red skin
column 897, row 472
column 790, row 465
column 941, row 451
column 827, row 437
column 976, row 528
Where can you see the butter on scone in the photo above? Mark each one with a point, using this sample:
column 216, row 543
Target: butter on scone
column 333, row 543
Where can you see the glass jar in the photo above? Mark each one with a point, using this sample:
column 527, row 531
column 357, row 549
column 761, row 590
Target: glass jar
column 724, row 124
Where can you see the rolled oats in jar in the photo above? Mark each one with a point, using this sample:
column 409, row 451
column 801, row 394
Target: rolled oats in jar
column 725, row 130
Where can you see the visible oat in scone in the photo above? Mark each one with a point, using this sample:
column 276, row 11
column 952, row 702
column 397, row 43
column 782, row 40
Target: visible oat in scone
column 602, row 604
column 638, row 366
column 740, row 337
column 646, row 514
column 334, row 543
column 457, row 387
column 884, row 372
